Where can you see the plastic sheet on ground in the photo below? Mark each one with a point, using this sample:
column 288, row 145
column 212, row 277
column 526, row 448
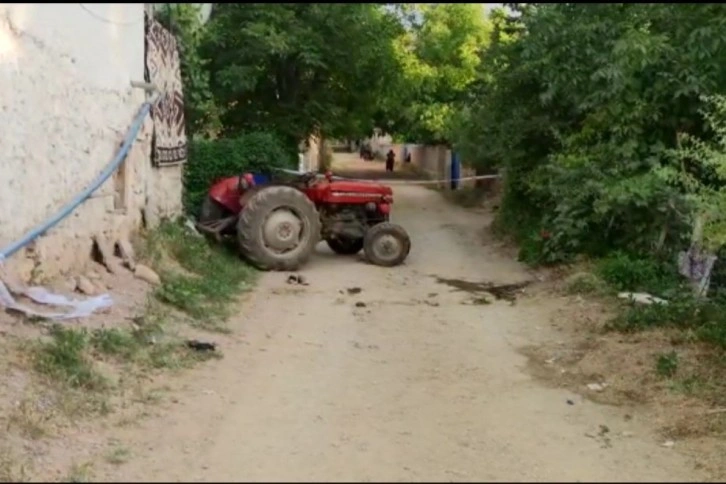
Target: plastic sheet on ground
column 80, row 308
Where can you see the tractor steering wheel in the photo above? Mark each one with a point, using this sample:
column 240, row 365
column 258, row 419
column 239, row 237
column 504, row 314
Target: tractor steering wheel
column 308, row 177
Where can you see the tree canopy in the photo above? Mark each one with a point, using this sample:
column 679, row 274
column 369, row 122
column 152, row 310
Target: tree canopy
column 588, row 107
column 604, row 117
column 300, row 68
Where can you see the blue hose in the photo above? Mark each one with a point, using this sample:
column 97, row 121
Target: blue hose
column 83, row 196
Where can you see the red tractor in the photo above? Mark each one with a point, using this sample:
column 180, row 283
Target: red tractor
column 279, row 223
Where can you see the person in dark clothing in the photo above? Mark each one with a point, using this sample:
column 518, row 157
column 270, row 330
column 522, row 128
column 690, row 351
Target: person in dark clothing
column 390, row 160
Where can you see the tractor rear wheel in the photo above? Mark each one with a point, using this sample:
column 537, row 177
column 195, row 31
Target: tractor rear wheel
column 345, row 245
column 278, row 228
column 386, row 244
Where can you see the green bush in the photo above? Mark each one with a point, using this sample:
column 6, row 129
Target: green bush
column 626, row 272
column 606, row 142
column 210, row 160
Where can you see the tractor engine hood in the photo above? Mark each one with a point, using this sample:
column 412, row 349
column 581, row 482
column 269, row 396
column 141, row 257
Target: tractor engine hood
column 360, row 187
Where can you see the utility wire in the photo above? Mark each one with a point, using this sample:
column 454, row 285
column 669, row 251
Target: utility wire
column 108, row 21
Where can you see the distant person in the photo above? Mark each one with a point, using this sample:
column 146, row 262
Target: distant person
column 390, row 160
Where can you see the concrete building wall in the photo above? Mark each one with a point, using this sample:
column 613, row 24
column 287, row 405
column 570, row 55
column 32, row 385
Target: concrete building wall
column 65, row 73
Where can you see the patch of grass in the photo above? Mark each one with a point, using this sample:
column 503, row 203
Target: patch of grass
column 667, row 364
column 118, row 454
column 71, row 357
column 10, row 469
column 626, row 272
column 80, row 473
column 692, row 385
column 701, row 320
column 64, row 358
column 210, row 279
column 586, row 283
column 30, row 419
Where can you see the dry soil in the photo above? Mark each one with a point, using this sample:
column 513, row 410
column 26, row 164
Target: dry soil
column 403, row 374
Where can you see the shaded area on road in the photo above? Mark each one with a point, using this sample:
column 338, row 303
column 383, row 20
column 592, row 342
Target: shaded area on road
column 350, row 165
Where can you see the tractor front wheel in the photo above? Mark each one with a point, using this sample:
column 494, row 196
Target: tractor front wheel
column 345, row 245
column 278, row 228
column 386, row 244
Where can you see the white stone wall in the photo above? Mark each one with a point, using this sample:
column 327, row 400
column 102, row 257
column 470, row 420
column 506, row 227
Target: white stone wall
column 65, row 72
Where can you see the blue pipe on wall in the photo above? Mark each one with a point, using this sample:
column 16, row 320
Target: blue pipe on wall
column 83, row 196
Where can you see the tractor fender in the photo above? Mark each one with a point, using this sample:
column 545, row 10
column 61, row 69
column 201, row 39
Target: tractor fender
column 249, row 193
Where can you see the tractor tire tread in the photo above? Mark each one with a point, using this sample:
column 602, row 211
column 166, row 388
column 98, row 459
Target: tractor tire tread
column 253, row 214
column 393, row 229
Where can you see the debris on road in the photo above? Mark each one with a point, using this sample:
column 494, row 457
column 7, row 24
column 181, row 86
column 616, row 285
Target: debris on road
column 480, row 301
column 354, row 290
column 296, row 279
column 641, row 298
column 360, row 304
column 39, row 295
column 360, row 346
column 596, row 387
column 601, row 436
column 201, row 345
column 668, row 444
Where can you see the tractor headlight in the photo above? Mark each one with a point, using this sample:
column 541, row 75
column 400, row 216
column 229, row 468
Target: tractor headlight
column 371, row 206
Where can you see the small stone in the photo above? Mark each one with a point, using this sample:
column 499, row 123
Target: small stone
column 146, row 274
column 668, row 443
column 126, row 251
column 85, row 286
column 93, row 275
column 596, row 387
column 71, row 284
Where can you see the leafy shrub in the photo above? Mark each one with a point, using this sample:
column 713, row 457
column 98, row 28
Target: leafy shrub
column 211, row 160
column 606, row 142
column 626, row 272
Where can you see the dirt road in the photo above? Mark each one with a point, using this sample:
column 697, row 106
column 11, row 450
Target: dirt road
column 421, row 383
